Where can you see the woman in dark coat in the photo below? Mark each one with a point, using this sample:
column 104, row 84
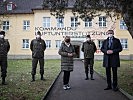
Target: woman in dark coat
column 111, row 48
column 67, row 53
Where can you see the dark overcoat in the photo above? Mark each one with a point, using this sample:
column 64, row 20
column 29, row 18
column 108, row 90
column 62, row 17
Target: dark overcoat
column 113, row 58
column 66, row 61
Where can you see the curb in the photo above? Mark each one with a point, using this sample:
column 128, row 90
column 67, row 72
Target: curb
column 51, row 86
column 121, row 90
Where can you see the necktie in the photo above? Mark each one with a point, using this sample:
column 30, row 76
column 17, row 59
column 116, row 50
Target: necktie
column 110, row 41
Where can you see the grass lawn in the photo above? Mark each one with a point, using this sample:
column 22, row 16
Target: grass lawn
column 125, row 74
column 19, row 76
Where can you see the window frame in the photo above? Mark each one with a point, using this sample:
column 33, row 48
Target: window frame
column 122, row 25
column 48, row 43
column 46, row 22
column 60, row 24
column 88, row 22
column 124, row 43
column 26, row 25
column 6, row 25
column 25, row 42
column 9, row 7
column 100, row 42
column 103, row 22
column 57, row 44
column 74, row 22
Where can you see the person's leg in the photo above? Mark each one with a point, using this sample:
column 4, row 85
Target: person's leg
column 86, row 68
column 4, row 70
column 108, row 76
column 114, row 70
column 67, row 77
column 41, row 62
column 91, row 68
column 65, row 80
column 34, row 66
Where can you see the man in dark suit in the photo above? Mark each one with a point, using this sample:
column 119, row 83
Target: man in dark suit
column 111, row 48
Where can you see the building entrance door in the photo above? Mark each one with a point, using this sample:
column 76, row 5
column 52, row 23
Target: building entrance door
column 77, row 50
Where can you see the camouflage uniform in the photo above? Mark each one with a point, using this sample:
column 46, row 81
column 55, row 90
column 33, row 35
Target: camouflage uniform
column 37, row 47
column 4, row 48
column 89, row 49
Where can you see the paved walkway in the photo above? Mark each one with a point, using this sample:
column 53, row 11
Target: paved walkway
column 83, row 89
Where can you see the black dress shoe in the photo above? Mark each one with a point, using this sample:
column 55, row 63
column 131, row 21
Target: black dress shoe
column 4, row 83
column 115, row 89
column 42, row 79
column 108, row 88
column 86, row 78
column 32, row 80
column 92, row 77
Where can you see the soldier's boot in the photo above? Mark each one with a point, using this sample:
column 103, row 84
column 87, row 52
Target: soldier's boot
column 3, row 81
column 92, row 77
column 42, row 78
column 33, row 78
column 86, row 76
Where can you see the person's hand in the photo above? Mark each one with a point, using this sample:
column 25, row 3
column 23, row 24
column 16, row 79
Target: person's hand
column 70, row 54
column 109, row 51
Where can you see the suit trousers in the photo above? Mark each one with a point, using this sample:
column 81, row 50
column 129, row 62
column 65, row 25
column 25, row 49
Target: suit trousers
column 66, row 77
column 34, row 65
column 108, row 75
column 3, row 64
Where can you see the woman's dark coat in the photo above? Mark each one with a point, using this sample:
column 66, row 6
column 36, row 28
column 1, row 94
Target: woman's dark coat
column 66, row 61
column 114, row 58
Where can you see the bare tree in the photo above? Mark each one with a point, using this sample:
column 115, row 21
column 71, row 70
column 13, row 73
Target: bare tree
column 3, row 12
column 90, row 8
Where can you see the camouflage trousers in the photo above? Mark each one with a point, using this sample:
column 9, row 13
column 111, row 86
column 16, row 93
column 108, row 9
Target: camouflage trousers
column 88, row 64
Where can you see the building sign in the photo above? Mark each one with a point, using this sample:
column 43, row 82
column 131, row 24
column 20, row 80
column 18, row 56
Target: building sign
column 69, row 31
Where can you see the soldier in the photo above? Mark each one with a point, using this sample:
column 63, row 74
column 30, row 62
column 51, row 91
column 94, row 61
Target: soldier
column 37, row 47
column 4, row 48
column 89, row 48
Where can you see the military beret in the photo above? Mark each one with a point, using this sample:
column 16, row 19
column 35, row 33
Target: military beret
column 2, row 33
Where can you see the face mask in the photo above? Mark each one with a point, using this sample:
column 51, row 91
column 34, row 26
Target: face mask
column 110, row 35
column 67, row 40
column 88, row 39
column 1, row 36
column 38, row 36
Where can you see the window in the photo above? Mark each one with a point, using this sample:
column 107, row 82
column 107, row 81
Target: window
column 124, row 43
column 9, row 6
column 74, row 21
column 58, row 43
column 46, row 22
column 102, row 21
column 48, row 43
column 25, row 43
column 5, row 25
column 26, row 25
column 60, row 22
column 88, row 22
column 100, row 42
column 123, row 25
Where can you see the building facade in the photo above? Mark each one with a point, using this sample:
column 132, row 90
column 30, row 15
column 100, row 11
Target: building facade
column 22, row 23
